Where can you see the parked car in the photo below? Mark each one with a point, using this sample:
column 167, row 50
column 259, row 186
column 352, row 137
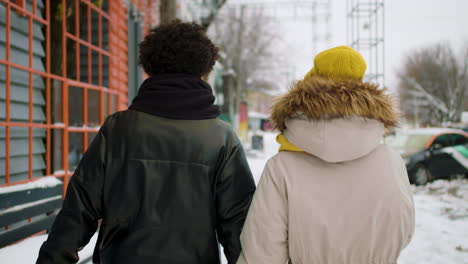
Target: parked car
column 432, row 153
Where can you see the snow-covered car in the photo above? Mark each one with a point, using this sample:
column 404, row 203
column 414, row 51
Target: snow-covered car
column 432, row 153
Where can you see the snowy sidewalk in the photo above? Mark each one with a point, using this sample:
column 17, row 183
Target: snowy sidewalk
column 26, row 251
column 441, row 234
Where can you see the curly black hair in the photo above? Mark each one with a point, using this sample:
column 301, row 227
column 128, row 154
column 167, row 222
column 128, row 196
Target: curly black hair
column 178, row 47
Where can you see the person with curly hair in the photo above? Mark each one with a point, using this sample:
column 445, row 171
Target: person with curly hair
column 168, row 179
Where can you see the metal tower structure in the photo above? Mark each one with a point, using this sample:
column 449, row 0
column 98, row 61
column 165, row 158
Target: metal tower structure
column 366, row 31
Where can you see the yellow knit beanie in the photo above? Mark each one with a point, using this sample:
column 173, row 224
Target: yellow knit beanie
column 339, row 63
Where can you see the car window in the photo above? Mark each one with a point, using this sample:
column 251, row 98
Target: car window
column 442, row 140
column 417, row 141
column 458, row 139
column 410, row 142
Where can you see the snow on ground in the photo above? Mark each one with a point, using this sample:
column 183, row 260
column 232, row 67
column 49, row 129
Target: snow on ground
column 441, row 234
column 26, row 252
column 44, row 182
column 258, row 159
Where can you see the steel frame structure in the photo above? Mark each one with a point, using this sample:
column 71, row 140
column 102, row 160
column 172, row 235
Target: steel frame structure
column 366, row 33
column 111, row 93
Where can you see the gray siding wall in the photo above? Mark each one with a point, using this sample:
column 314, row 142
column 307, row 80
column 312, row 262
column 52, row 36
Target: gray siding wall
column 19, row 95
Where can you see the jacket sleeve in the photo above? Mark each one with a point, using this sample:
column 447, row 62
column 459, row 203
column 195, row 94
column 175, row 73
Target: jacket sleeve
column 78, row 220
column 235, row 187
column 264, row 238
column 402, row 180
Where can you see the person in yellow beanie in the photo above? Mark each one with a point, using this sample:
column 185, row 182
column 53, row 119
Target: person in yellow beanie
column 334, row 193
column 339, row 63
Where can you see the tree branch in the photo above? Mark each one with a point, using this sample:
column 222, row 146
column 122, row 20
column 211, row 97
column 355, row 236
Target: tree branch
column 436, row 102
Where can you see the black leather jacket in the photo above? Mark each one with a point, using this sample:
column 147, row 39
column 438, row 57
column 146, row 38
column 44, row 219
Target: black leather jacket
column 166, row 190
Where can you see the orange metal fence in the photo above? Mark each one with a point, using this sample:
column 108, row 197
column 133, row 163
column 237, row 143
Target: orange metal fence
column 75, row 106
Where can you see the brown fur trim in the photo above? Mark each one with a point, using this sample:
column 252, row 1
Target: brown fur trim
column 319, row 98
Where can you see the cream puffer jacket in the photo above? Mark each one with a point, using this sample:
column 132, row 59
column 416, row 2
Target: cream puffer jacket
column 346, row 198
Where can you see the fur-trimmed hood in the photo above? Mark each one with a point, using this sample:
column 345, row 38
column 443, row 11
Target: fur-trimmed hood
column 319, row 99
column 334, row 120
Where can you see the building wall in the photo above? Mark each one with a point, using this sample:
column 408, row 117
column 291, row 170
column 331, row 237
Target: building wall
column 19, row 94
column 62, row 74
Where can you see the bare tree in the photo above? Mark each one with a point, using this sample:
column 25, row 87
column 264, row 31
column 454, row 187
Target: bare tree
column 246, row 38
column 168, row 10
column 212, row 12
column 433, row 85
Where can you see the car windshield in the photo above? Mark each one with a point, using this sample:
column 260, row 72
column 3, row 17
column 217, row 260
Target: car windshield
column 411, row 142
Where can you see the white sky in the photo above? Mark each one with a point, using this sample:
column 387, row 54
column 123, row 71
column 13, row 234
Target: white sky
column 412, row 24
column 409, row 25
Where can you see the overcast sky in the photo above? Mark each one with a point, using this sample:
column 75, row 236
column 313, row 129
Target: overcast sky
column 409, row 25
column 412, row 24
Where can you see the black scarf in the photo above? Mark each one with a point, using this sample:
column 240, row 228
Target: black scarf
column 176, row 96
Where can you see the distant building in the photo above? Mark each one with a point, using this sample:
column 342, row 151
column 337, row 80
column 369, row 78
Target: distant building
column 260, row 102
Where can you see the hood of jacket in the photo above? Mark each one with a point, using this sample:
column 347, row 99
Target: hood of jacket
column 335, row 121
